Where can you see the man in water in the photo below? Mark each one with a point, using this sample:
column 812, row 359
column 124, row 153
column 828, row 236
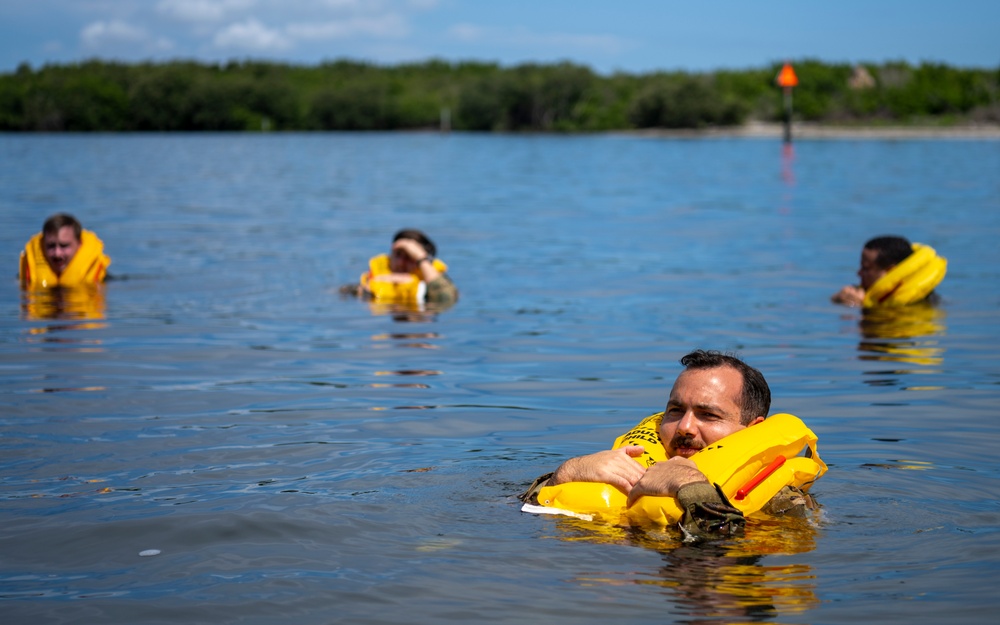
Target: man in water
column 878, row 257
column 63, row 254
column 409, row 274
column 716, row 395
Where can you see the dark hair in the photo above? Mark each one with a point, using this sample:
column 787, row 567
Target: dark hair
column 57, row 222
column 890, row 250
column 419, row 237
column 755, row 396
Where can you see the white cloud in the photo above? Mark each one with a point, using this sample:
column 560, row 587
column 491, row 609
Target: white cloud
column 251, row 35
column 521, row 37
column 352, row 5
column 386, row 26
column 466, row 32
column 116, row 34
column 201, row 10
column 98, row 34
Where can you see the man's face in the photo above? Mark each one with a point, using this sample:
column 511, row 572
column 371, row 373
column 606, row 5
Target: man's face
column 399, row 262
column 869, row 272
column 701, row 410
column 60, row 248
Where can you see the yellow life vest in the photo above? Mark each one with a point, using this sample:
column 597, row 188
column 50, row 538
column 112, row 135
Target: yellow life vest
column 750, row 466
column 407, row 292
column 910, row 281
column 88, row 266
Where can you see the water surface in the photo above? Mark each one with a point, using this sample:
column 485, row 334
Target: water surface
column 295, row 456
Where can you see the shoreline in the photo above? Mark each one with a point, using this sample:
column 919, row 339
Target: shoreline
column 808, row 130
column 749, row 130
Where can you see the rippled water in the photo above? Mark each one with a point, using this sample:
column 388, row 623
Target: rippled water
column 294, row 456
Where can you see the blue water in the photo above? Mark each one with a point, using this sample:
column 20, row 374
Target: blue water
column 296, row 456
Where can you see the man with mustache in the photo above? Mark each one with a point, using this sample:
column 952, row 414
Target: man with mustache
column 716, row 395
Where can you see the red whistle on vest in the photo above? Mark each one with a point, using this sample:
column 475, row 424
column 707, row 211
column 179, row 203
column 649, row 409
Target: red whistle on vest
column 760, row 477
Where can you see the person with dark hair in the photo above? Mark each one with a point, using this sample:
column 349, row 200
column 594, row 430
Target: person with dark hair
column 63, row 254
column 714, row 396
column 879, row 257
column 409, row 274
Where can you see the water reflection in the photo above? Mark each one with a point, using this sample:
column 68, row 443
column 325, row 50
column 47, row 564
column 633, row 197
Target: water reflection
column 404, row 372
column 903, row 334
column 908, row 465
column 408, row 313
column 78, row 308
column 409, row 372
column 414, row 339
column 70, row 389
column 85, row 302
column 788, row 164
column 721, row 581
column 406, row 336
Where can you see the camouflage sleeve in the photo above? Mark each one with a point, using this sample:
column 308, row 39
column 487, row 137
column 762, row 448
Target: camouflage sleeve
column 353, row 290
column 790, row 501
column 441, row 290
column 707, row 512
column 531, row 495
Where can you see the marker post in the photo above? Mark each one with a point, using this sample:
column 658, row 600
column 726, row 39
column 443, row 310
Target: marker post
column 786, row 80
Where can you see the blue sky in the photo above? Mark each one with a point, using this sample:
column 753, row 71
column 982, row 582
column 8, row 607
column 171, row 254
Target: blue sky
column 637, row 36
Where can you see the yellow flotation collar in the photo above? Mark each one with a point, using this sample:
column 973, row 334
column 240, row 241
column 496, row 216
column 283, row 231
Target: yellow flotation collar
column 88, row 266
column 406, row 292
column 750, row 466
column 910, row 281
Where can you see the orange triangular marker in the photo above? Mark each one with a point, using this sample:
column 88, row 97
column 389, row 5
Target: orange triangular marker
column 787, row 77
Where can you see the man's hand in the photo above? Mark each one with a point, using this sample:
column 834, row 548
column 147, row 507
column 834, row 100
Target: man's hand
column 411, row 248
column 850, row 295
column 417, row 254
column 613, row 466
column 664, row 479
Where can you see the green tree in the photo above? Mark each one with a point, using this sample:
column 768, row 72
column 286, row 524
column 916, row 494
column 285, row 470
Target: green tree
column 684, row 101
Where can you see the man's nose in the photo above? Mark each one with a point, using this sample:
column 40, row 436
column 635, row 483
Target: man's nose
column 687, row 424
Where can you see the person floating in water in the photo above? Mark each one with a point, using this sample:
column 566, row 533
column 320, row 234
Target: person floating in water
column 715, row 396
column 63, row 254
column 409, row 274
column 894, row 272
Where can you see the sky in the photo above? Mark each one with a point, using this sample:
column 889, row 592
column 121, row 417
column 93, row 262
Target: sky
column 637, row 36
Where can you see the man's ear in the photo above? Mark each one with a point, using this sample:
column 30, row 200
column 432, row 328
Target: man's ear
column 756, row 420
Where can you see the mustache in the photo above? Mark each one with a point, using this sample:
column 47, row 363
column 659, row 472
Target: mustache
column 685, row 440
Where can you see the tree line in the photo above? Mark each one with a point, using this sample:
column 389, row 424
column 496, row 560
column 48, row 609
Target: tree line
column 478, row 96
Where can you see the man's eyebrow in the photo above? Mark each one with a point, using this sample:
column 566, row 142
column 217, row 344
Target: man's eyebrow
column 710, row 408
column 702, row 407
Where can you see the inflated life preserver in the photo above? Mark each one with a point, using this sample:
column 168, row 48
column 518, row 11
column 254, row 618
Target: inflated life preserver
column 750, row 466
column 910, row 281
column 404, row 292
column 88, row 266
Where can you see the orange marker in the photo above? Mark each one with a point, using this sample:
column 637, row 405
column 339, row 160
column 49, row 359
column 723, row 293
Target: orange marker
column 787, row 77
